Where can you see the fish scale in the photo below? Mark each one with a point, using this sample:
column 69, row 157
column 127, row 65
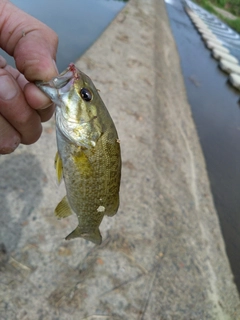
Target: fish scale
column 89, row 157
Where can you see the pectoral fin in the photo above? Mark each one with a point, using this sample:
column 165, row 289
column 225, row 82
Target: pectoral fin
column 58, row 167
column 94, row 236
column 63, row 209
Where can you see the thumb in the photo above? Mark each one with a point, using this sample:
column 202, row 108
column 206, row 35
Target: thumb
column 32, row 44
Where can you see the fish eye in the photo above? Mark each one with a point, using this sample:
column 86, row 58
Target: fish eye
column 86, row 94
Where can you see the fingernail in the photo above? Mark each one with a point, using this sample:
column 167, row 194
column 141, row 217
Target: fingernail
column 8, row 88
column 46, row 102
column 10, row 145
column 3, row 62
column 55, row 66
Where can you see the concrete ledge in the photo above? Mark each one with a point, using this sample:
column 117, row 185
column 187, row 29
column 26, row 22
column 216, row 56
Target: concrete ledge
column 229, row 67
column 235, row 80
column 210, row 37
column 162, row 255
column 205, row 31
column 219, row 54
column 214, row 41
column 228, row 63
column 214, row 45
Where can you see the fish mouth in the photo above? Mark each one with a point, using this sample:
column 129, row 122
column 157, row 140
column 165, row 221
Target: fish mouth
column 60, row 84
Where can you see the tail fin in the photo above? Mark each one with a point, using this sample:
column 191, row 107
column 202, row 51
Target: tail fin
column 94, row 236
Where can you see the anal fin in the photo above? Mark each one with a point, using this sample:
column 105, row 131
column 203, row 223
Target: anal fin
column 94, row 236
column 63, row 209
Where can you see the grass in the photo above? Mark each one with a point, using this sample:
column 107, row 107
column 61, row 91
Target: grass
column 207, row 6
column 234, row 24
column 220, row 3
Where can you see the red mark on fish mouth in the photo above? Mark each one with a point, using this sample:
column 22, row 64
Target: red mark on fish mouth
column 74, row 70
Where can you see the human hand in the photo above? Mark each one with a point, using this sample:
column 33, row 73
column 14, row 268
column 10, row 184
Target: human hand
column 22, row 105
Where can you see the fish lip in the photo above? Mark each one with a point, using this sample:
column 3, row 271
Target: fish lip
column 59, row 84
column 71, row 73
column 63, row 79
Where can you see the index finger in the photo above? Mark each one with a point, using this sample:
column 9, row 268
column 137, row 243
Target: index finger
column 32, row 44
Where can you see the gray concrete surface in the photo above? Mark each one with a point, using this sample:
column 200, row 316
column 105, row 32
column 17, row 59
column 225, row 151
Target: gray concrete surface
column 162, row 255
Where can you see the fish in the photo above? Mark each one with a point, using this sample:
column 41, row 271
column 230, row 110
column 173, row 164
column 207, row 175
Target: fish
column 88, row 157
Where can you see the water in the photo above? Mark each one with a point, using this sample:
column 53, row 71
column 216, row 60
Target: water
column 228, row 36
column 78, row 23
column 216, row 114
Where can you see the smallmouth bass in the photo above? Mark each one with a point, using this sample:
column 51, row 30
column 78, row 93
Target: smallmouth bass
column 88, row 157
